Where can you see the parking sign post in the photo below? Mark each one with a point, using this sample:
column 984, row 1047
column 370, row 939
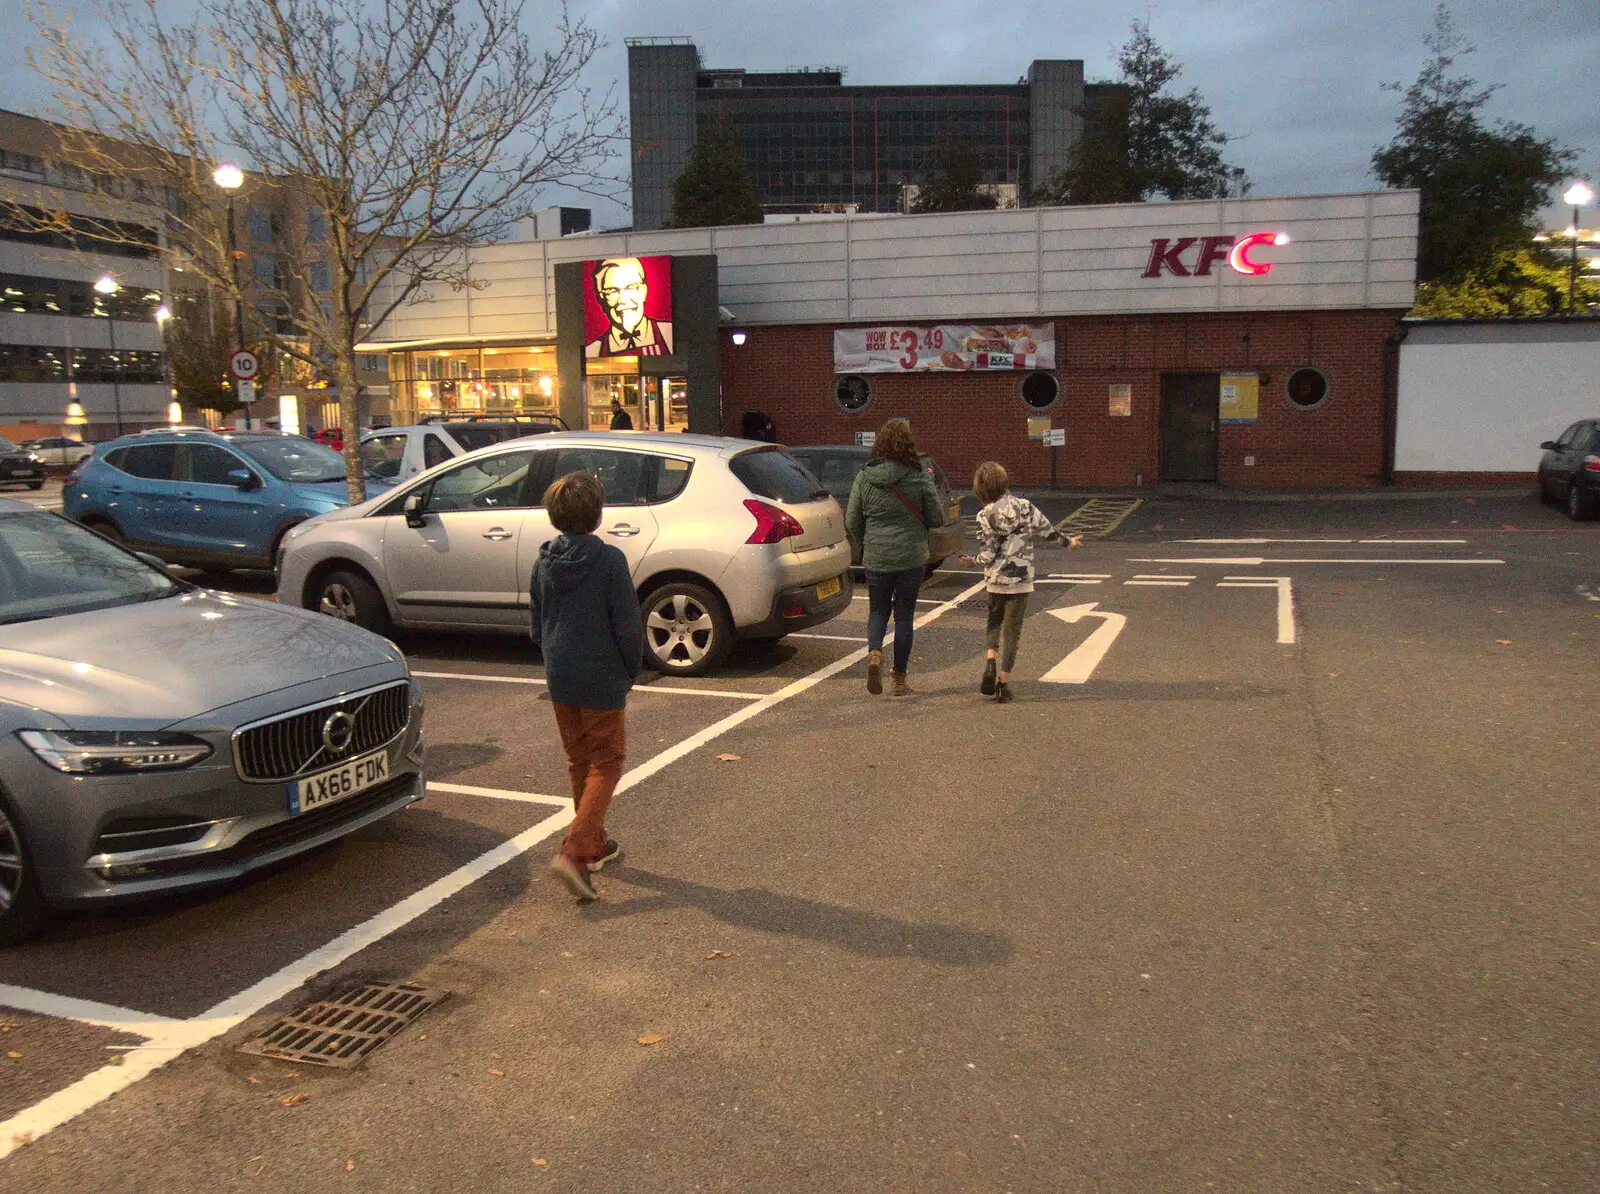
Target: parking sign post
column 244, row 365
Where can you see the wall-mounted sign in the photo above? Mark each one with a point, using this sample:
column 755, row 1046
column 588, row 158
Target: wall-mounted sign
column 946, row 348
column 1167, row 254
column 1038, row 428
column 627, row 307
column 1119, row 400
column 865, row 439
column 1241, row 397
column 1056, row 437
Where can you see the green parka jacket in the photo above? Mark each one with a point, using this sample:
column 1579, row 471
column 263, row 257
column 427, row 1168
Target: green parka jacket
column 891, row 536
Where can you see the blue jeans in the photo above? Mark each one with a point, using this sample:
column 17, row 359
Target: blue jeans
column 896, row 590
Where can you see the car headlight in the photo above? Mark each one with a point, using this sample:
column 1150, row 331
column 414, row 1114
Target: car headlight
column 35, row 458
column 105, row 752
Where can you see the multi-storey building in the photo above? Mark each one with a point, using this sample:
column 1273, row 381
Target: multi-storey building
column 65, row 334
column 813, row 143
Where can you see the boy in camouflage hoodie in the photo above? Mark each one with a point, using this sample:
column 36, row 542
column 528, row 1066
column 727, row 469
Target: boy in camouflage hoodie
column 1007, row 525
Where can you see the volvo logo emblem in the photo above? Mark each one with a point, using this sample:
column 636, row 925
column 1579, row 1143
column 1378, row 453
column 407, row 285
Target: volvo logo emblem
column 338, row 732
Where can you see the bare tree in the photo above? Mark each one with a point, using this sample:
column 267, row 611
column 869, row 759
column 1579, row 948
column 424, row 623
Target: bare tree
column 402, row 131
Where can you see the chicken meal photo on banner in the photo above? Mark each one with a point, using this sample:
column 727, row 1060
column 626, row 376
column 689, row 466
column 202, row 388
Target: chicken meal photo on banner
column 627, row 307
column 944, row 348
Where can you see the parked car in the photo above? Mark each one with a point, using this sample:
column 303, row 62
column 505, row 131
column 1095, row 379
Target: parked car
column 206, row 499
column 19, row 466
column 1569, row 471
column 397, row 453
column 57, row 450
column 836, row 466
column 155, row 736
column 726, row 539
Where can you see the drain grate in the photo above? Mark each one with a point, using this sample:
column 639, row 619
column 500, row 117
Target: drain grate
column 1098, row 517
column 343, row 1030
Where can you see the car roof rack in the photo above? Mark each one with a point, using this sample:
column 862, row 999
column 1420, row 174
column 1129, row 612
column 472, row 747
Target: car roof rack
column 492, row 418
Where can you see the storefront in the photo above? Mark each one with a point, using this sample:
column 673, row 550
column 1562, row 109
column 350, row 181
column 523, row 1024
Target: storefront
column 1240, row 341
column 471, row 379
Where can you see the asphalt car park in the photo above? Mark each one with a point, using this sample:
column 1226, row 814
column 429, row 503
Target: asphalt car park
column 1238, row 902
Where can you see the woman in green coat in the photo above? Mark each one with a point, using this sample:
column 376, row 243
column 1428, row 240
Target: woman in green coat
column 892, row 505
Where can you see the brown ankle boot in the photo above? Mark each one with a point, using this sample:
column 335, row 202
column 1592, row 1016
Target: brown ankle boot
column 875, row 672
column 901, row 688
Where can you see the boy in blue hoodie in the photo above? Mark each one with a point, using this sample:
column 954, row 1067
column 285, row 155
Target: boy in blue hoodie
column 585, row 619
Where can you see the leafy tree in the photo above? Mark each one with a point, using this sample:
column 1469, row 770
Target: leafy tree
column 1482, row 187
column 200, row 339
column 1528, row 281
column 1140, row 140
column 716, row 186
column 954, row 182
column 400, row 133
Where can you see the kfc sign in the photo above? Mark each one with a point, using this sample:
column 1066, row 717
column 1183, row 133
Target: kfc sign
column 627, row 307
column 1167, row 255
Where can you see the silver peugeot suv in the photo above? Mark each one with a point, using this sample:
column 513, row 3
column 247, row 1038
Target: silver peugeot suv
column 727, row 539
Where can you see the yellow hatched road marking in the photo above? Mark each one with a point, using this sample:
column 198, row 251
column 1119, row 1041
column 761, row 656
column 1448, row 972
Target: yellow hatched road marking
column 1098, row 517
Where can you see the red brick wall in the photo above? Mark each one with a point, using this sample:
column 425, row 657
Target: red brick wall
column 964, row 419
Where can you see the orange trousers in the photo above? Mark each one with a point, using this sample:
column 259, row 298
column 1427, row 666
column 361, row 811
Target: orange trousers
column 593, row 739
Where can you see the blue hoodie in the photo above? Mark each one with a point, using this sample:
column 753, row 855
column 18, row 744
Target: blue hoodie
column 585, row 618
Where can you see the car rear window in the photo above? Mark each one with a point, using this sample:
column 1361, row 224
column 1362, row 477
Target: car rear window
column 773, row 473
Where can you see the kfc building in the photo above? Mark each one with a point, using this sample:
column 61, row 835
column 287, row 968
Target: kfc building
column 1240, row 341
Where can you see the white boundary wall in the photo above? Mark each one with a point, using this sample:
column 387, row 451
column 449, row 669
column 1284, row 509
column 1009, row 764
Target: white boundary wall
column 1481, row 397
column 1346, row 252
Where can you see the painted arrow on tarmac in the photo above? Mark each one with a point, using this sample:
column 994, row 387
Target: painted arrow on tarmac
column 1079, row 666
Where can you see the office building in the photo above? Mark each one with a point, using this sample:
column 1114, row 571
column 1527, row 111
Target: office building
column 815, row 144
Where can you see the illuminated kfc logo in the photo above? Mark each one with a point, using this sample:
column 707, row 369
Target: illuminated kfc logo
column 1166, row 254
column 627, row 307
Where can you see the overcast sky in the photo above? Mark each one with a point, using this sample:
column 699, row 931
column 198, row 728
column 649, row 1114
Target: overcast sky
column 1296, row 82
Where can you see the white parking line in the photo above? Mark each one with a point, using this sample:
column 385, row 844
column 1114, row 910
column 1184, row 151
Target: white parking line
column 1257, row 561
column 499, row 794
column 835, row 638
column 705, row 692
column 1258, row 542
column 85, row 1011
column 169, row 1042
column 1147, row 578
column 920, row 600
column 1285, row 587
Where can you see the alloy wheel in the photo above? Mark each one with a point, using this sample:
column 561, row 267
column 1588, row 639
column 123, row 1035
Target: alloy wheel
column 681, row 631
column 339, row 602
column 10, row 863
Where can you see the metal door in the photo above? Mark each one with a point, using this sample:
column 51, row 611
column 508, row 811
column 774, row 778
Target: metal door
column 1189, row 426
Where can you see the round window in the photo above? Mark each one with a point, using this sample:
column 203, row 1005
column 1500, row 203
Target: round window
column 1040, row 390
column 1306, row 387
column 852, row 393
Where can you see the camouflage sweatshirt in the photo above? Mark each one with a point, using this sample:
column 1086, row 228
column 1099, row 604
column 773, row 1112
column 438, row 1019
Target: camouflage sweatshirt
column 1006, row 528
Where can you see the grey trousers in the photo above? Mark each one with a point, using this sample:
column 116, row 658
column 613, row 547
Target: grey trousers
column 1006, row 614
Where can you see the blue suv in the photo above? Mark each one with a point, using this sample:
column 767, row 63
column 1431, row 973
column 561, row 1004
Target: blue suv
column 207, row 499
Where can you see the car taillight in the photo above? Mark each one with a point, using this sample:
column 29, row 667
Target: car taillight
column 1591, row 464
column 772, row 524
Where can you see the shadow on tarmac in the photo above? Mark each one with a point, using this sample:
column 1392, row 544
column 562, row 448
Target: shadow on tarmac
column 1143, row 690
column 866, row 934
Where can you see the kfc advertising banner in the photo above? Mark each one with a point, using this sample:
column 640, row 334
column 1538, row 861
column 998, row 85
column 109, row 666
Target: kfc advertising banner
column 627, row 307
column 946, row 348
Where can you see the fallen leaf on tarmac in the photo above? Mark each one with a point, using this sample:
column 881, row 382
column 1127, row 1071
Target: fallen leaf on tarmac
column 350, row 1165
column 255, row 1081
column 14, row 1055
column 725, row 758
column 291, row 1075
column 1504, row 642
column 294, row 1100
column 497, row 1056
column 117, row 1060
column 22, row 1138
column 498, row 1073
column 651, row 1038
column 717, row 953
column 541, row 1162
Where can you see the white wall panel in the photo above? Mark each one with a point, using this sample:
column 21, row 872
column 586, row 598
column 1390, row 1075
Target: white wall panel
column 1345, row 251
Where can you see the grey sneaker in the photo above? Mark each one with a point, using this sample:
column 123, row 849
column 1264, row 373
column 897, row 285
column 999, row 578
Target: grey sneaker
column 611, row 853
column 575, row 875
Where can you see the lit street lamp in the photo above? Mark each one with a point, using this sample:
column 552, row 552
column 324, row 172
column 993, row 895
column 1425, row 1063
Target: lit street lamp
column 174, row 411
column 1578, row 195
column 230, row 178
column 107, row 285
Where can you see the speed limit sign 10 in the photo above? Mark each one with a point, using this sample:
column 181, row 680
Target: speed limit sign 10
column 244, row 365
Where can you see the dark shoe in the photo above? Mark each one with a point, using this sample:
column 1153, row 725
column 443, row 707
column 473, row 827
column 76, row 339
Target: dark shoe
column 987, row 687
column 575, row 875
column 900, row 688
column 611, row 853
column 875, row 672
column 1002, row 693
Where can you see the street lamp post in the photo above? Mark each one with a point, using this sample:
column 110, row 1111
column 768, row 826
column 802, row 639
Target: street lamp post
column 230, row 178
column 174, row 410
column 1578, row 195
column 107, row 285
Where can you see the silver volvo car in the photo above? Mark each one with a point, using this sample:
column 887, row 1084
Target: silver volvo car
column 157, row 736
column 727, row 538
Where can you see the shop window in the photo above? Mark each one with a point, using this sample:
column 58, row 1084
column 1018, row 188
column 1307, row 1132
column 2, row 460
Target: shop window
column 853, row 393
column 1040, row 390
column 1306, row 387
